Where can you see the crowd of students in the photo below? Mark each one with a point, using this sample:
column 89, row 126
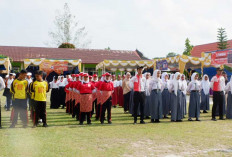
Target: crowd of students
column 156, row 97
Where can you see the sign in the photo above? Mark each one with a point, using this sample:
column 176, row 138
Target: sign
column 162, row 65
column 221, row 57
column 57, row 66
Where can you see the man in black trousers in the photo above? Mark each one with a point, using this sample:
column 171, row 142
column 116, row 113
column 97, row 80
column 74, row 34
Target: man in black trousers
column 218, row 86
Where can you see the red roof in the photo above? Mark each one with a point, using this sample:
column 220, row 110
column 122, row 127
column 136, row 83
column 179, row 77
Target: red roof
column 88, row 56
column 197, row 50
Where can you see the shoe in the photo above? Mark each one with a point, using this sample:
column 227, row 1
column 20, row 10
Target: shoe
column 45, row 125
column 81, row 123
column 109, row 122
column 179, row 121
column 205, row 111
column 173, row 121
column 222, row 119
column 157, row 121
column 89, row 123
column 115, row 106
column 12, row 126
column 198, row 119
column 135, row 122
column 102, row 122
column 190, row 119
column 214, row 119
column 152, row 121
column 142, row 122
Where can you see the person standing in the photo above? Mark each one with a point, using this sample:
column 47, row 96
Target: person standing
column 194, row 101
column 115, row 93
column 120, row 91
column 62, row 83
column 54, row 85
column 94, row 82
column 138, row 84
column 19, row 88
column 147, row 104
column 2, row 86
column 7, row 92
column 106, row 88
column 29, row 80
column 228, row 90
column 40, row 89
column 205, row 87
column 175, row 88
column 126, row 92
column 218, row 86
column 165, row 95
column 156, row 109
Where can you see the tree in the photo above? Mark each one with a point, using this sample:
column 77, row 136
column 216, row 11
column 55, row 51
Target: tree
column 171, row 54
column 67, row 45
column 67, row 30
column 222, row 39
column 108, row 48
column 188, row 47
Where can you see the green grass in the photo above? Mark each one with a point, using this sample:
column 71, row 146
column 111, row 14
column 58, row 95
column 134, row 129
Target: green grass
column 64, row 137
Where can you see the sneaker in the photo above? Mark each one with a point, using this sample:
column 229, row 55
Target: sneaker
column 190, row 119
column 222, row 119
column 198, row 119
column 214, row 119
column 205, row 111
column 142, row 122
column 45, row 125
column 109, row 122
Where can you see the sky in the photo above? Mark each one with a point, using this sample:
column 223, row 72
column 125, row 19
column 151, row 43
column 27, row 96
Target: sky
column 155, row 27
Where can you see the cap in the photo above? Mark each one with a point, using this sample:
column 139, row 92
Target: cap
column 107, row 74
column 90, row 76
column 76, row 75
column 94, row 75
column 29, row 74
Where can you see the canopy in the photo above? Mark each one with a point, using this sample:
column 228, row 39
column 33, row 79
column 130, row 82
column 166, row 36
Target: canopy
column 184, row 62
column 49, row 65
column 123, row 65
column 6, row 63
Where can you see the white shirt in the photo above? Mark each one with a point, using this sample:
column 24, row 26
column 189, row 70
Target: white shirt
column 54, row 84
column 221, row 86
column 9, row 82
column 194, row 86
column 142, row 83
column 29, row 81
column 2, row 83
column 165, row 84
column 115, row 82
column 119, row 83
column 63, row 83
column 155, row 84
column 147, row 91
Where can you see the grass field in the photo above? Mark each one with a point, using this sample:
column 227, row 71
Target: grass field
column 64, row 137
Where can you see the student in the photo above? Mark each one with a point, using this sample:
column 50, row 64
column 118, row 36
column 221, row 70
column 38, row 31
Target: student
column 183, row 96
column 176, row 106
column 228, row 89
column 115, row 93
column 94, row 82
column 106, row 88
column 19, row 88
column 29, row 80
column 126, row 92
column 7, row 92
column 137, row 83
column 165, row 95
column 120, row 91
column 156, row 109
column 2, row 86
column 40, row 89
column 147, row 104
column 205, row 87
column 62, row 83
column 85, row 90
column 54, row 85
column 194, row 101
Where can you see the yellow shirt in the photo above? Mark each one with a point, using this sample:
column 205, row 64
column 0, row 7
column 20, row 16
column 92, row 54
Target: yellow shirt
column 19, row 89
column 40, row 89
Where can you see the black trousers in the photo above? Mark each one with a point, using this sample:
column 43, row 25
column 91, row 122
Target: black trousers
column 139, row 99
column 62, row 96
column 94, row 106
column 126, row 98
column 40, row 111
column 77, row 111
column 98, row 109
column 82, row 117
column 8, row 98
column 20, row 109
column 106, row 106
column 217, row 101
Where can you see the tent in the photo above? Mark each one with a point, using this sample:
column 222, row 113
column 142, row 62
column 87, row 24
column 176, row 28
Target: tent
column 5, row 65
column 123, row 65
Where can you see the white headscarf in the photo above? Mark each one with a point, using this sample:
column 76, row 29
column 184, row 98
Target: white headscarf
column 154, row 76
column 206, row 85
column 85, row 81
column 184, row 83
column 163, row 76
column 176, row 82
column 193, row 77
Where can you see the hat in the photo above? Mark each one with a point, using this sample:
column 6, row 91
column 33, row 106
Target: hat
column 73, row 75
column 140, row 67
column 85, row 74
column 90, row 76
column 94, row 75
column 219, row 69
column 29, row 74
column 107, row 74
column 76, row 75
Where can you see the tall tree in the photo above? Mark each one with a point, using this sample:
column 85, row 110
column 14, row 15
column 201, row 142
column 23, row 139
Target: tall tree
column 188, row 47
column 171, row 54
column 222, row 39
column 67, row 30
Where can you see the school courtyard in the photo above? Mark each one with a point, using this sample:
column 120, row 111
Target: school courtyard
column 64, row 137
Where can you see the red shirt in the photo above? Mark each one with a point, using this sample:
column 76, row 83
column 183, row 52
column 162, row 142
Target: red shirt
column 94, row 83
column 106, row 86
column 85, row 88
column 218, row 82
column 97, row 85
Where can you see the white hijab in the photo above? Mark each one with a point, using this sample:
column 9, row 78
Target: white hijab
column 184, row 83
column 176, row 82
column 205, row 85
column 193, row 77
column 154, row 76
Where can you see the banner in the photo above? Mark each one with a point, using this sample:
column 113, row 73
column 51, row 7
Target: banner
column 57, row 66
column 221, row 57
column 162, row 65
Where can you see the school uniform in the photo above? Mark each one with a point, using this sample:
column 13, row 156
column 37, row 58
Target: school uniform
column 115, row 93
column 19, row 90
column 94, row 98
column 228, row 89
column 2, row 86
column 8, row 94
column 55, row 103
column 98, row 100
column 205, row 88
column 126, row 94
column 40, row 89
column 147, row 104
column 62, row 93
column 194, row 101
column 106, row 88
column 183, row 96
column 156, row 109
column 120, row 93
column 165, row 96
column 176, row 103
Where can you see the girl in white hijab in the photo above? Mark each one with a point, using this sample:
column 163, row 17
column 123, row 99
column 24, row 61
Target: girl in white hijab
column 176, row 106
column 147, row 104
column 205, row 87
column 155, row 85
column 184, row 91
column 166, row 103
column 228, row 89
column 194, row 101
